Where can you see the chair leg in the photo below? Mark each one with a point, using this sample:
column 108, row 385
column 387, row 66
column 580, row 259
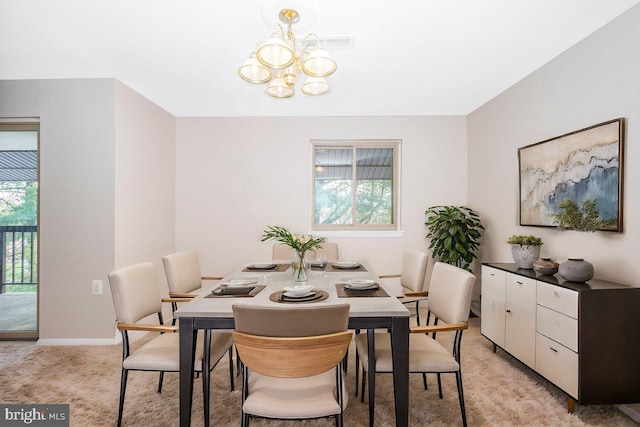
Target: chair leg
column 371, row 368
column 345, row 361
column 357, row 371
column 206, row 374
column 461, row 398
column 160, row 381
column 418, row 312
column 123, row 388
column 340, row 392
column 233, row 385
column 424, row 381
column 238, row 364
column 364, row 382
column 244, row 420
column 439, row 386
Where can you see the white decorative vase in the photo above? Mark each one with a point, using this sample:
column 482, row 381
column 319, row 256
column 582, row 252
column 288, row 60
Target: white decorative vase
column 525, row 255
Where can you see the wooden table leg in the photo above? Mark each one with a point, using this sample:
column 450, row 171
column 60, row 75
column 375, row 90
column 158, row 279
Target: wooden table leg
column 400, row 351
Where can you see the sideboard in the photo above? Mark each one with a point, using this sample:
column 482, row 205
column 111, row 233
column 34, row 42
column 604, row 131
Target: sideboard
column 582, row 337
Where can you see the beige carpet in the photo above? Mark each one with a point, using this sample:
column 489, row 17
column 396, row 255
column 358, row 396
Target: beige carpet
column 499, row 391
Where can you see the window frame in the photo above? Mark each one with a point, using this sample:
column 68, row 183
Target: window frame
column 354, row 144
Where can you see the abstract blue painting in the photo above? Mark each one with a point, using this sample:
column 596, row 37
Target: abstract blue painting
column 581, row 165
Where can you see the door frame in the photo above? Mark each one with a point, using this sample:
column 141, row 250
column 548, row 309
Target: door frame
column 27, row 124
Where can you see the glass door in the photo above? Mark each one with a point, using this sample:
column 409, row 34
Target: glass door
column 19, row 230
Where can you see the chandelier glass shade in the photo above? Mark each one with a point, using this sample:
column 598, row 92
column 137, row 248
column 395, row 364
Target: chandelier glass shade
column 280, row 59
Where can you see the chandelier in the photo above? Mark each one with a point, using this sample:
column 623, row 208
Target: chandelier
column 279, row 60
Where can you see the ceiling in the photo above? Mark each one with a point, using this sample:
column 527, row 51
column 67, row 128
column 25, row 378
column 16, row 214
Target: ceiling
column 421, row 57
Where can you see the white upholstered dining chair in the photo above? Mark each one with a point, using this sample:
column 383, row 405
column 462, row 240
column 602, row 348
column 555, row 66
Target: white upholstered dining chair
column 184, row 277
column 292, row 360
column 412, row 279
column 449, row 301
column 183, row 274
column 136, row 296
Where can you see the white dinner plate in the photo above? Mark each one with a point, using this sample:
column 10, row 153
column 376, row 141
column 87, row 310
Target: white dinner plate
column 346, row 264
column 290, row 295
column 262, row 265
column 300, row 290
column 236, row 283
column 362, row 288
column 361, row 283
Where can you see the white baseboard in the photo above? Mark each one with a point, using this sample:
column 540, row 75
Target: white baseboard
column 76, row 341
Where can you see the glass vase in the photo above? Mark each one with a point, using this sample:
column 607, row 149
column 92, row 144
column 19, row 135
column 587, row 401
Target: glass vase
column 299, row 267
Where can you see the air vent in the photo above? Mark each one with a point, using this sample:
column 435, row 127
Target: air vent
column 345, row 42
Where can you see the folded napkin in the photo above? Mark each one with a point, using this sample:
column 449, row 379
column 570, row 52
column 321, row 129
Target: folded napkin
column 235, row 290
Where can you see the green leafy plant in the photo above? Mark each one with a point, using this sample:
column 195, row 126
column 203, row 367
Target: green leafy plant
column 579, row 218
column 529, row 240
column 454, row 232
column 298, row 242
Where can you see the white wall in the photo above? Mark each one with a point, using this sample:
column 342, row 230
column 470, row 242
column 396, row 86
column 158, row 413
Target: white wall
column 76, row 199
column 106, row 194
column 145, row 181
column 594, row 81
column 235, row 176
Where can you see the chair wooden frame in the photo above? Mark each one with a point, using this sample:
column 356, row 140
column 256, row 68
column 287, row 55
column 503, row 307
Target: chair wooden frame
column 433, row 329
column 135, row 285
column 450, row 301
column 292, row 357
column 124, row 328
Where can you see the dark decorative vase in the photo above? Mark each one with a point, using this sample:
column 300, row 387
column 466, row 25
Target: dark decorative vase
column 546, row 266
column 576, row 270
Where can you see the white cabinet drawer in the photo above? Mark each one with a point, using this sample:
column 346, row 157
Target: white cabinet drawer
column 559, row 299
column 558, row 364
column 558, row 327
column 493, row 280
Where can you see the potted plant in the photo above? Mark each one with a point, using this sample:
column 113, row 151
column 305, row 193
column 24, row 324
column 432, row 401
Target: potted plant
column 525, row 250
column 454, row 232
column 580, row 218
column 300, row 243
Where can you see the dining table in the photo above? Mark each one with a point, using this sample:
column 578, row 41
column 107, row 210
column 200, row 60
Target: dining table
column 367, row 312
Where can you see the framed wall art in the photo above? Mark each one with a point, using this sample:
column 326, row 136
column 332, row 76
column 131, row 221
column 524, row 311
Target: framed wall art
column 583, row 165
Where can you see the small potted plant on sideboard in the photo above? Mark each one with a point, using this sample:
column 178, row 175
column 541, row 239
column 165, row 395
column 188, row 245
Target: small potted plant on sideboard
column 525, row 250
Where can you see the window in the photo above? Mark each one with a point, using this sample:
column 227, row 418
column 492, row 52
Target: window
column 355, row 185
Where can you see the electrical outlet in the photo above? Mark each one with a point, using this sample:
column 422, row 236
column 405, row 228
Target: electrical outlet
column 96, row 287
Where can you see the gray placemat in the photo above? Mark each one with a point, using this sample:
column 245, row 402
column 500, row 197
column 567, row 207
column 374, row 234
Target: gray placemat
column 318, row 267
column 279, row 297
column 252, row 293
column 350, row 293
column 278, row 268
column 358, row 269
